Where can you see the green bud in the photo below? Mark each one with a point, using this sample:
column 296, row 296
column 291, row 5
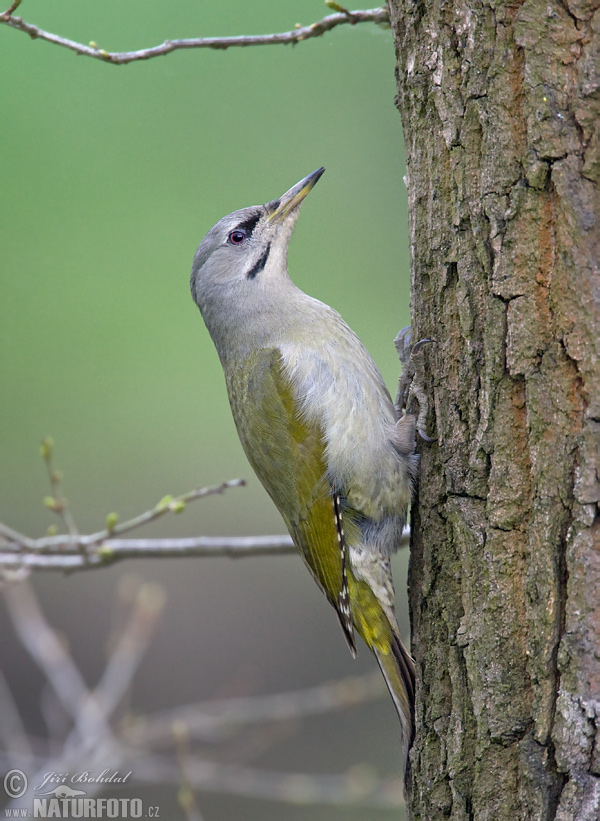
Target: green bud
column 46, row 448
column 164, row 502
column 111, row 521
column 178, row 506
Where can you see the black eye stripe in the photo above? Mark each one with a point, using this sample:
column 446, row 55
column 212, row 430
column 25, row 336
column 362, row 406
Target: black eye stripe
column 259, row 264
column 248, row 225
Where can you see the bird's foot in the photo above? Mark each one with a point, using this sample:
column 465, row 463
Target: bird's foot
column 410, row 385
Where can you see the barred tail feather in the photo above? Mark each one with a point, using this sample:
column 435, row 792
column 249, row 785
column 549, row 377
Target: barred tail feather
column 398, row 670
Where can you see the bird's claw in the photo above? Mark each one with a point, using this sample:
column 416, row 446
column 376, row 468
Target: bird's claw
column 402, row 343
column 410, row 384
column 418, row 345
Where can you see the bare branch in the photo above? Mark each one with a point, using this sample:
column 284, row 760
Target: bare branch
column 65, row 555
column 185, row 795
column 9, row 11
column 12, row 729
column 129, row 651
column 16, row 540
column 231, row 546
column 213, row 720
column 19, row 554
column 57, row 501
column 169, row 504
column 54, row 558
column 97, row 737
column 91, row 738
column 73, row 551
column 358, row 787
column 53, row 658
column 121, row 58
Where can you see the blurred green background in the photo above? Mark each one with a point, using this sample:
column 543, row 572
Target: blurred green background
column 111, row 176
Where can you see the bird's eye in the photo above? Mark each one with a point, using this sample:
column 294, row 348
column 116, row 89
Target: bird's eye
column 237, row 237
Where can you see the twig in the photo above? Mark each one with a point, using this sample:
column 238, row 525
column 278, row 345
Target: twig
column 51, row 656
column 62, row 555
column 9, row 11
column 57, row 501
column 212, row 720
column 169, row 504
column 130, row 649
column 149, row 548
column 91, row 739
column 16, row 540
column 95, row 740
column 12, row 730
column 358, row 787
column 186, row 797
column 232, row 546
column 71, row 551
column 52, row 558
column 121, row 58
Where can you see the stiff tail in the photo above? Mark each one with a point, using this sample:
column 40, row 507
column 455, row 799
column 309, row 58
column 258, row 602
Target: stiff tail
column 398, row 670
column 377, row 625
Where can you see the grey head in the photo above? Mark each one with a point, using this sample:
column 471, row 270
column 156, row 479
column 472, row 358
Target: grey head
column 240, row 267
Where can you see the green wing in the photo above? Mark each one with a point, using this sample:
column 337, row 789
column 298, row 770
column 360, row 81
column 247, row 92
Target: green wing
column 288, row 456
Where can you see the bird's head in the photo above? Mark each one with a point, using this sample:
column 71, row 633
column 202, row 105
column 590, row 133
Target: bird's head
column 246, row 249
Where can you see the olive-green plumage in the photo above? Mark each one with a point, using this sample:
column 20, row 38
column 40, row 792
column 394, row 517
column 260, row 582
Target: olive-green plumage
column 287, row 454
column 316, row 423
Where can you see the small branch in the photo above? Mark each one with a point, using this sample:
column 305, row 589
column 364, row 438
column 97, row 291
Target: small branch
column 143, row 744
column 64, row 555
column 130, row 649
column 12, row 730
column 121, row 58
column 15, row 539
column 358, row 787
column 5, row 17
column 215, row 720
column 19, row 554
column 169, row 504
column 186, row 797
column 91, row 738
column 73, row 551
column 57, row 501
column 52, row 657
column 67, row 556
column 231, row 546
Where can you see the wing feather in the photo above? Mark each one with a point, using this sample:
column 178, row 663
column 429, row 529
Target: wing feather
column 287, row 453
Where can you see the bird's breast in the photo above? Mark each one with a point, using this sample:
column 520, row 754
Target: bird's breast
column 339, row 388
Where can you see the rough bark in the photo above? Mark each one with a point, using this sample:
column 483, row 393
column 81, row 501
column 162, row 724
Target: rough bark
column 499, row 103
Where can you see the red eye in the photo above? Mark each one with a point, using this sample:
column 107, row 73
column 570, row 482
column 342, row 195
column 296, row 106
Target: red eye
column 237, row 237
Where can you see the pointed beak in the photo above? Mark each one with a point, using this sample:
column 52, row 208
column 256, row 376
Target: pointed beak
column 292, row 198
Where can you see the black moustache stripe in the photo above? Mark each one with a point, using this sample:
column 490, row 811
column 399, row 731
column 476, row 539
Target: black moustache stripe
column 259, row 264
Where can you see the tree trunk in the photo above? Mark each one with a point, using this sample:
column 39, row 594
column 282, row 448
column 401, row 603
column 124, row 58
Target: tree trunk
column 500, row 109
